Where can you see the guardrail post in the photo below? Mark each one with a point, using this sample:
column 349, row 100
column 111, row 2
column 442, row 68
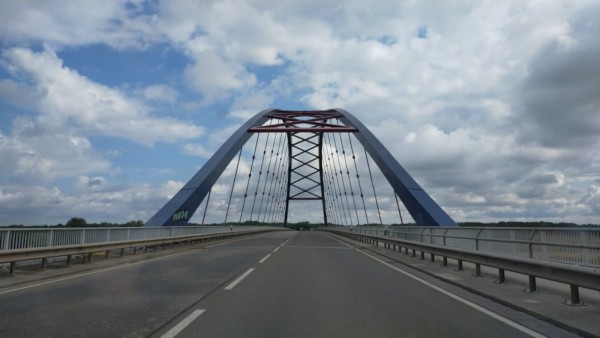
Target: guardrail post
column 444, row 238
column 12, row 268
column 106, row 254
column 6, row 241
column 501, row 277
column 531, row 243
column 477, row 270
column 432, row 256
column 414, row 253
column 575, row 300
column 477, row 239
column 460, row 265
column 532, row 285
column 50, row 238
column 422, row 254
column 44, row 263
column 69, row 260
column 445, row 261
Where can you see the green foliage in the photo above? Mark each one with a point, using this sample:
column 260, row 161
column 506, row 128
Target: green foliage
column 76, row 222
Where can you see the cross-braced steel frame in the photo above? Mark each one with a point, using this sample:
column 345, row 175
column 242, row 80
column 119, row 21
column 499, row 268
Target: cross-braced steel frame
column 304, row 130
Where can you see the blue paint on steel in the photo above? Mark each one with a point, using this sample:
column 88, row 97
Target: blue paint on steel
column 423, row 209
column 420, row 205
column 187, row 200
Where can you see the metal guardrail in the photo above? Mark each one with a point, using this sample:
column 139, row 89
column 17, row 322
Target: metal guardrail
column 580, row 246
column 574, row 275
column 90, row 244
column 23, row 238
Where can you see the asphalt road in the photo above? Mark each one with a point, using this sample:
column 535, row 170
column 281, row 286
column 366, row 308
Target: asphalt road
column 282, row 284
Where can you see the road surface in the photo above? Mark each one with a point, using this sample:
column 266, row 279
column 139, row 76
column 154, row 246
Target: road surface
column 280, row 284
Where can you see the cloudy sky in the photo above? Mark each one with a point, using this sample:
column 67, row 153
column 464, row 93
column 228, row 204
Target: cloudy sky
column 108, row 107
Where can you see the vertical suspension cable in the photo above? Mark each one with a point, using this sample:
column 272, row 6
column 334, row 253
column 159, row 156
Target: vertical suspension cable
column 233, row 185
column 280, row 199
column 362, row 196
column 262, row 198
column 273, row 174
column 398, row 205
column 373, row 185
column 206, row 206
column 336, row 180
column 331, row 194
column 343, row 179
column 260, row 174
column 349, row 180
column 249, row 177
column 334, row 157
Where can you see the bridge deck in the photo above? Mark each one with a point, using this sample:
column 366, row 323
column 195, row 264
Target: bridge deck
column 284, row 284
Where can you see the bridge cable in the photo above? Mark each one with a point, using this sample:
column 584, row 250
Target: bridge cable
column 262, row 198
column 260, row 171
column 249, row 178
column 337, row 182
column 206, row 206
column 362, row 196
column 349, row 180
column 398, row 205
column 331, row 189
column 337, row 156
column 279, row 194
column 233, row 185
column 373, row 185
column 273, row 176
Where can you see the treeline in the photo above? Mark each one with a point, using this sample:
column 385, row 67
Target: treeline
column 79, row 222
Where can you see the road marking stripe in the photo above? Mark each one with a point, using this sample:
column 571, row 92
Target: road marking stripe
column 462, row 300
column 264, row 258
column 277, row 248
column 239, row 279
column 95, row 272
column 182, row 324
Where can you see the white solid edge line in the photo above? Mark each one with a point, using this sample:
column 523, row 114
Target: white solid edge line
column 93, row 272
column 239, row 279
column 277, row 248
column 264, row 259
column 462, row 300
column 182, row 324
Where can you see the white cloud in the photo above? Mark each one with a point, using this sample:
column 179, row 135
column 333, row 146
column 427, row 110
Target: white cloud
column 160, row 93
column 116, row 23
column 492, row 106
column 68, row 99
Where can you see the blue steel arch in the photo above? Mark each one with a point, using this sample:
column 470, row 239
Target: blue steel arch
column 179, row 209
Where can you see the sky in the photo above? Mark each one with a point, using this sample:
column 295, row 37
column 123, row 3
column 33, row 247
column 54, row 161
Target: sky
column 107, row 108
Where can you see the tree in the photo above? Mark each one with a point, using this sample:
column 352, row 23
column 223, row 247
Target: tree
column 76, row 222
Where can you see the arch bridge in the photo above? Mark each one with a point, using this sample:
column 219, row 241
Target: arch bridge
column 306, row 156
